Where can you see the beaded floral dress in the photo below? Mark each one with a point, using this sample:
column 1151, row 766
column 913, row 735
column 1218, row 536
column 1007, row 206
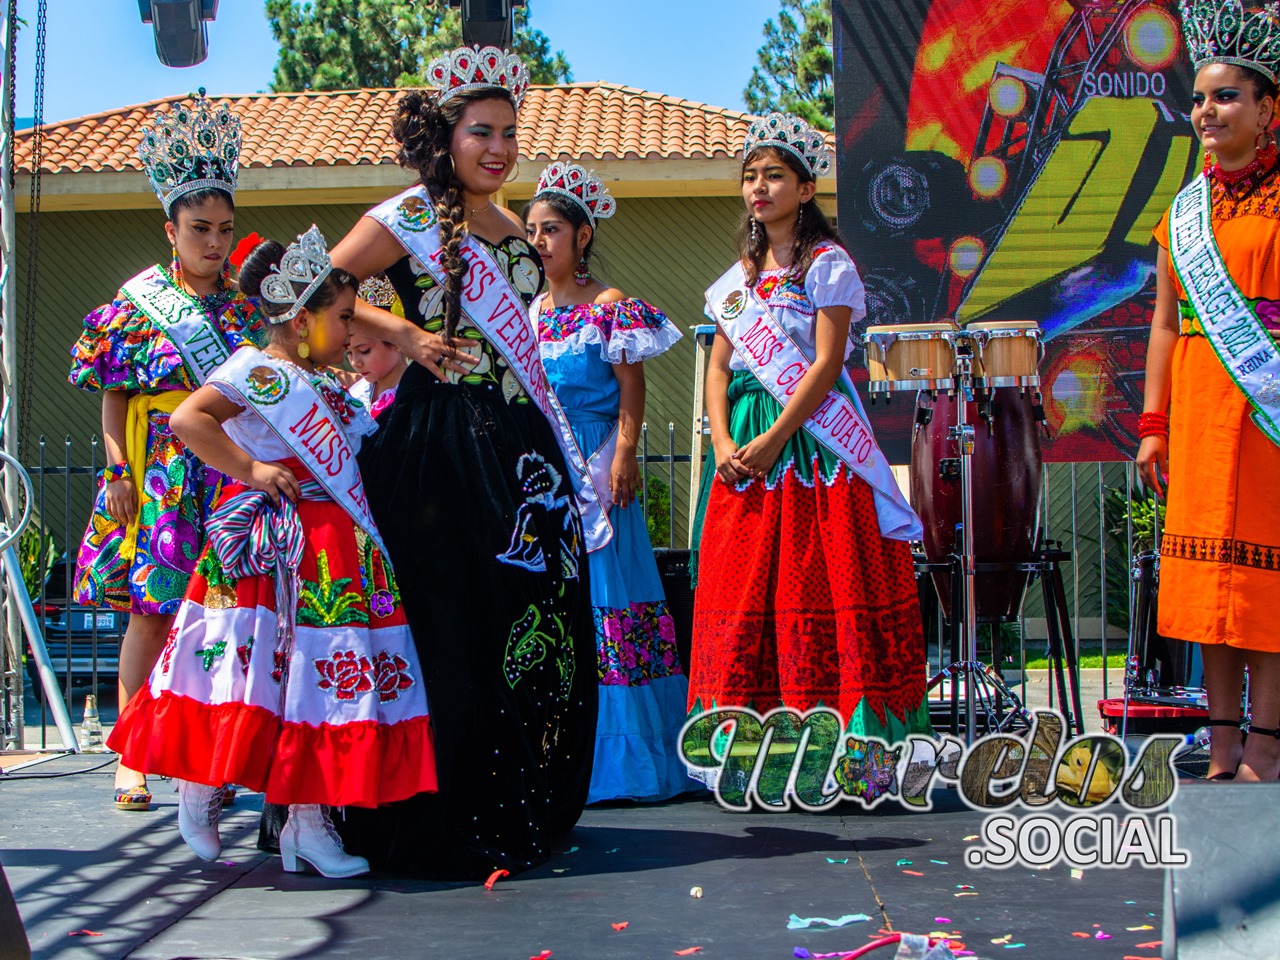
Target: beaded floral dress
column 642, row 683
column 337, row 715
column 468, row 484
column 800, row 601
column 121, row 349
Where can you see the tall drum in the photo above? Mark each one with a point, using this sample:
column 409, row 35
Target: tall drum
column 1007, row 468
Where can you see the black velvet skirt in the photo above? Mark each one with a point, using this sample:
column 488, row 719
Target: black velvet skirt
column 474, row 502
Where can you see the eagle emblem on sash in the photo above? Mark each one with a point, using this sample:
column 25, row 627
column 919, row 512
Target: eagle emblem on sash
column 733, row 304
column 416, row 214
column 267, row 385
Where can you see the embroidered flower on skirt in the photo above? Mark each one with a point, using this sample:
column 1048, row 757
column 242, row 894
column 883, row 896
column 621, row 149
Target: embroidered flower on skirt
column 636, row 644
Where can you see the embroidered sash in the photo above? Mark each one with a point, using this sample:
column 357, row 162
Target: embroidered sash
column 183, row 320
column 1243, row 345
column 496, row 309
column 839, row 423
column 302, row 419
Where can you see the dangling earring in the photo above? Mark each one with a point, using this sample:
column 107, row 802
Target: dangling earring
column 304, row 349
column 755, row 230
column 582, row 274
column 515, row 172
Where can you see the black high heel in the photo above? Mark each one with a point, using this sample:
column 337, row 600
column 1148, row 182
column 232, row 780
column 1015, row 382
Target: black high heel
column 1230, row 774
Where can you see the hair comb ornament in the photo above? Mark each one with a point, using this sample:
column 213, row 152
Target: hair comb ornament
column 191, row 147
column 582, row 187
column 785, row 132
column 478, row 68
column 1222, row 31
column 304, row 263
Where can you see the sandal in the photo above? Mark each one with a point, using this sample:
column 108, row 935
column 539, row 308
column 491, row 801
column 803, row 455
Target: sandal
column 228, row 794
column 1226, row 775
column 133, row 798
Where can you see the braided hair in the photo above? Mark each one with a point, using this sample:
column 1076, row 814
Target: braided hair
column 424, row 130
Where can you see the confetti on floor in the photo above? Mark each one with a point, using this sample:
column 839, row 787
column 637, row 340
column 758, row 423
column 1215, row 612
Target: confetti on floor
column 942, row 863
column 795, row 922
column 1145, row 926
column 621, row 926
column 1150, row 945
column 972, row 836
column 913, row 873
column 495, row 877
column 687, row 951
column 903, row 863
column 830, row 860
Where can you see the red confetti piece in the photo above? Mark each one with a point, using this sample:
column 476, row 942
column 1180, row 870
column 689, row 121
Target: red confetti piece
column 494, row 878
column 84, row 933
column 544, row 955
column 688, row 951
column 1079, row 934
column 913, row 873
column 621, row 926
column 1149, row 946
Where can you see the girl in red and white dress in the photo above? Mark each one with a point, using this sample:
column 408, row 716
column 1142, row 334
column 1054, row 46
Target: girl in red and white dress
column 290, row 667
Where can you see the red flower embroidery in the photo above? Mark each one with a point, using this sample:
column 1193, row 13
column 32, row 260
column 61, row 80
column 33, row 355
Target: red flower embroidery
column 170, row 642
column 345, row 674
column 391, row 675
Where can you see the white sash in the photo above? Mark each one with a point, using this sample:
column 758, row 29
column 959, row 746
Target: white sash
column 496, row 309
column 303, row 421
column 183, row 320
column 1244, row 346
column 839, row 423
column 599, row 461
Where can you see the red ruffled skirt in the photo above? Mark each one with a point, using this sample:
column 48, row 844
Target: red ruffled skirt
column 340, row 718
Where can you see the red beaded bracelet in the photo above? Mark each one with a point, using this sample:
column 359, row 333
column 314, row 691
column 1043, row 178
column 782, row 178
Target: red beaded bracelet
column 1153, row 424
column 117, row 472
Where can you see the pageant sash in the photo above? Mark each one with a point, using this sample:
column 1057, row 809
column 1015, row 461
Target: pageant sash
column 839, row 423
column 1244, row 346
column 496, row 309
column 182, row 319
column 302, row 420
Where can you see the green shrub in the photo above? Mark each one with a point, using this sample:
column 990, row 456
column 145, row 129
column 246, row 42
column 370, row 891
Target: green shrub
column 658, row 518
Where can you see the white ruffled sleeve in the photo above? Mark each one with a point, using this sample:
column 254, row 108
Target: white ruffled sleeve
column 626, row 331
column 833, row 281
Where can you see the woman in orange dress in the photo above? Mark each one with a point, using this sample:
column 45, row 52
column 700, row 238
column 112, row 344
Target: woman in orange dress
column 1220, row 557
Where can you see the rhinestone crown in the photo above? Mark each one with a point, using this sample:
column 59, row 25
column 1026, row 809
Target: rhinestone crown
column 191, row 147
column 475, row 68
column 1222, row 31
column 792, row 134
column 583, row 188
column 304, row 263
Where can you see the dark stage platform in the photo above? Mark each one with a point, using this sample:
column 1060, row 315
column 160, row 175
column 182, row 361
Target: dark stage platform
column 92, row 882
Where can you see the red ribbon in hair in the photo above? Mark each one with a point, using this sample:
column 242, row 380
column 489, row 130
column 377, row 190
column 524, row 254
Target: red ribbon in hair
column 243, row 249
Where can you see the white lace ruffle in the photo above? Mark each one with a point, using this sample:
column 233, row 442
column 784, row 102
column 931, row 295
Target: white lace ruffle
column 623, row 346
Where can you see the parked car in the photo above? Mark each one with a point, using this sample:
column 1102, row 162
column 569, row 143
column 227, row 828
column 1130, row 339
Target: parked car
column 78, row 631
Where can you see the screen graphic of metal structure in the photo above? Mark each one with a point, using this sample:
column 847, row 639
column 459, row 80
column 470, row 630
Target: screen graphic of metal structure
column 1007, row 160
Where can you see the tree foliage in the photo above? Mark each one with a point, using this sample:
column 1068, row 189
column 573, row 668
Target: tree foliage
column 794, row 70
column 348, row 44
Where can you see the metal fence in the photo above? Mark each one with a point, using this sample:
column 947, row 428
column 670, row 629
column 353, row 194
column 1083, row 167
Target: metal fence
column 1083, row 506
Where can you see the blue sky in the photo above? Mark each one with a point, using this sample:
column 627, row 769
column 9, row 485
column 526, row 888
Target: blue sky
column 100, row 55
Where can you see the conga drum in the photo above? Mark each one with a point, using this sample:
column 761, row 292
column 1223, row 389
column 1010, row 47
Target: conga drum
column 908, row 357
column 1006, row 466
column 1008, row 353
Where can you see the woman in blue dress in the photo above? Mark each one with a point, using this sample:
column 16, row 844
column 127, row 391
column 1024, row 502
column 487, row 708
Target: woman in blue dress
column 593, row 340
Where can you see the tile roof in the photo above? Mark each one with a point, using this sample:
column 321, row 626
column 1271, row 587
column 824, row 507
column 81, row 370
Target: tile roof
column 600, row 121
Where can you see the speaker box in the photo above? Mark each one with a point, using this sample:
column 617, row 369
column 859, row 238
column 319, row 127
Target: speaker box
column 13, row 939
column 1224, row 903
column 673, row 568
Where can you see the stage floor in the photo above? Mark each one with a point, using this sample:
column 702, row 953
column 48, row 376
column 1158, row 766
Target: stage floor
column 92, row 882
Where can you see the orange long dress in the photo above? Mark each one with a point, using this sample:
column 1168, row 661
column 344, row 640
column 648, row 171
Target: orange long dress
column 1220, row 558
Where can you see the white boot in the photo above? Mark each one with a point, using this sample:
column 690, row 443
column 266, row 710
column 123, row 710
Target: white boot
column 198, row 809
column 308, row 836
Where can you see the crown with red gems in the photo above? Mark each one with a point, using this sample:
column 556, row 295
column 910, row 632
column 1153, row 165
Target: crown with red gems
column 786, row 132
column 1222, row 31
column 477, row 68
column 582, row 187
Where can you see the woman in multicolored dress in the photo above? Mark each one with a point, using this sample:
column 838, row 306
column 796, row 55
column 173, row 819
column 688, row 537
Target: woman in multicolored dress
column 145, row 352
column 806, row 589
column 290, row 667
column 594, row 341
column 473, row 483
column 1211, row 418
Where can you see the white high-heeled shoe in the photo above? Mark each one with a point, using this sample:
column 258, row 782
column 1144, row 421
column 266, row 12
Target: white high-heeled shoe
column 309, row 837
column 199, row 807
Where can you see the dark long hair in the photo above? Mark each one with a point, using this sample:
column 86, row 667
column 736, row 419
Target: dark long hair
column 1263, row 86
column 573, row 214
column 812, row 227
column 266, row 256
column 424, row 130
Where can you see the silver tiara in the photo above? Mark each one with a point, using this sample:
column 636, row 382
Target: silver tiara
column 192, row 147
column 305, row 262
column 475, row 68
column 585, row 189
column 378, row 291
column 785, row 132
column 1221, row 31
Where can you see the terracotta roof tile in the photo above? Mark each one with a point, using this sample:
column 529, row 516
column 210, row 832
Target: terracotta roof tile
column 595, row 121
